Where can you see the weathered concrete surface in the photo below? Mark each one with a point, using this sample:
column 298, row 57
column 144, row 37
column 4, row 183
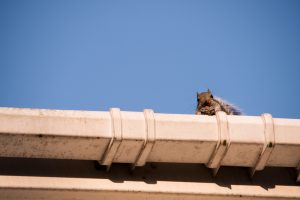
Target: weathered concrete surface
column 122, row 137
column 137, row 138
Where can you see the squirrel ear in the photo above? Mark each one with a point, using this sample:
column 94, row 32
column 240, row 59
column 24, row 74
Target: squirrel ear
column 208, row 90
column 197, row 94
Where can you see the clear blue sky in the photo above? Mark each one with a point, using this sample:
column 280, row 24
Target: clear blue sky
column 93, row 55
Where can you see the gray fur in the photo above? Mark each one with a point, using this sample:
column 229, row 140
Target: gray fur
column 227, row 107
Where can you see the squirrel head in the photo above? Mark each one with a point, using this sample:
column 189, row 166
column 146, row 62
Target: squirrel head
column 204, row 98
column 204, row 103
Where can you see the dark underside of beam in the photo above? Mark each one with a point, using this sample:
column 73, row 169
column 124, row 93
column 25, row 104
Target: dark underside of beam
column 151, row 173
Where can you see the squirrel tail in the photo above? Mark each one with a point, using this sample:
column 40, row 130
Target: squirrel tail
column 228, row 107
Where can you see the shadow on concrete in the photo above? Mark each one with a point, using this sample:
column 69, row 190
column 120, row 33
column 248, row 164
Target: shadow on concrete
column 151, row 173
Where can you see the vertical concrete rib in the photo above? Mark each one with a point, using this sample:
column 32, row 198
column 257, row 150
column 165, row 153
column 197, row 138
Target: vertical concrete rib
column 268, row 145
column 222, row 144
column 149, row 139
column 116, row 138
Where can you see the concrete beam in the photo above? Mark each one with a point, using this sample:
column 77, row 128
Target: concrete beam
column 140, row 137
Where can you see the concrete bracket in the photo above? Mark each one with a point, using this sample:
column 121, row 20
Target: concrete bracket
column 222, row 144
column 116, row 138
column 268, row 145
column 149, row 139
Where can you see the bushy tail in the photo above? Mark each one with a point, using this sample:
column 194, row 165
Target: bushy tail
column 229, row 108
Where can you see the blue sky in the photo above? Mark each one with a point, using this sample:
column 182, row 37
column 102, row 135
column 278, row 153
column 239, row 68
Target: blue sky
column 93, row 55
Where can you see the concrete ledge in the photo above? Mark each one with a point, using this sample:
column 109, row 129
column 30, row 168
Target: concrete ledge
column 121, row 137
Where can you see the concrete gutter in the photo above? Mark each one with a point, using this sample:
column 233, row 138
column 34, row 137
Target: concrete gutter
column 140, row 137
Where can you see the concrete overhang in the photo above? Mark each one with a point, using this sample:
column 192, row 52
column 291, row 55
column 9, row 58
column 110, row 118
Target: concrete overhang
column 138, row 138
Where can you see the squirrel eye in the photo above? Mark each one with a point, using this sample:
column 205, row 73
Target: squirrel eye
column 211, row 96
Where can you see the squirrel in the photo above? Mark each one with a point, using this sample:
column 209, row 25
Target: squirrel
column 209, row 105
